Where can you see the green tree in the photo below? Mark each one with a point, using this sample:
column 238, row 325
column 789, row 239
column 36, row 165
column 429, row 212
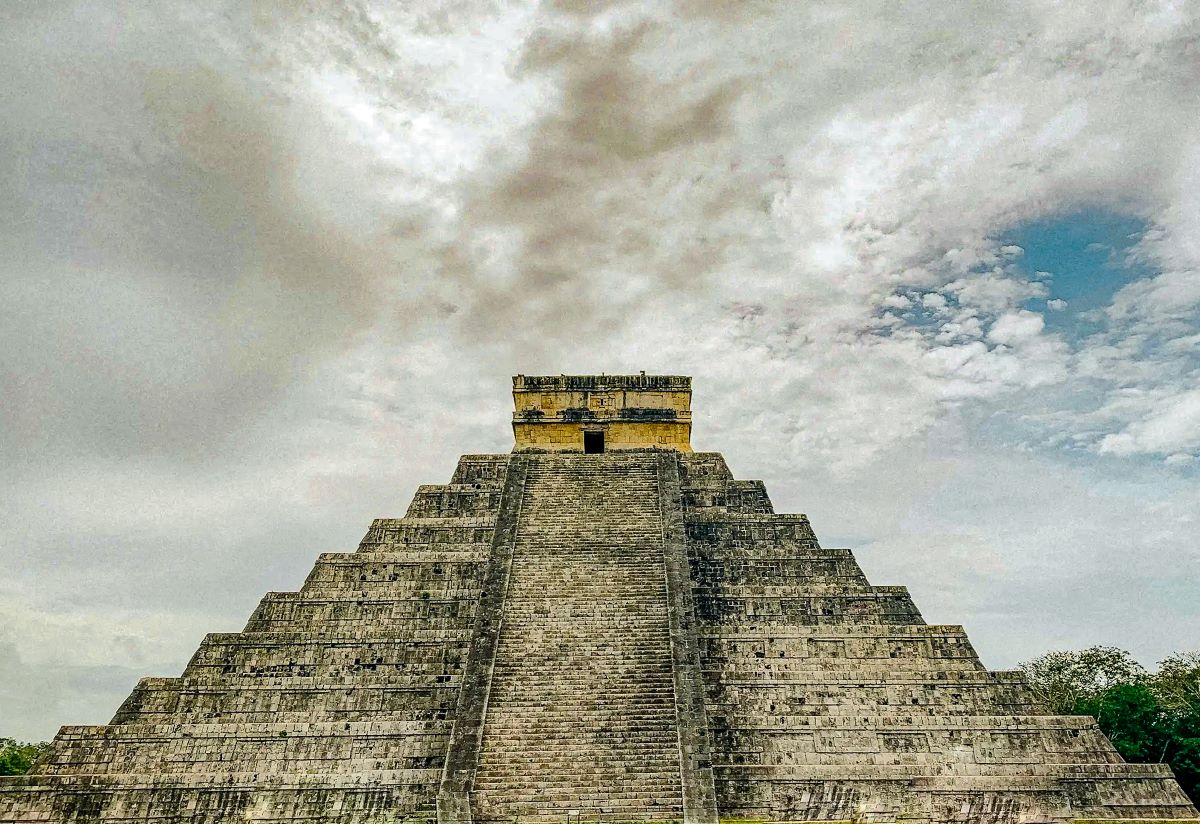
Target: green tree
column 16, row 757
column 1184, row 756
column 1133, row 718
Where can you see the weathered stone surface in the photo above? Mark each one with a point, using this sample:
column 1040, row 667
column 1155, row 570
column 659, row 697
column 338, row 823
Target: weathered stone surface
column 567, row 413
column 627, row 636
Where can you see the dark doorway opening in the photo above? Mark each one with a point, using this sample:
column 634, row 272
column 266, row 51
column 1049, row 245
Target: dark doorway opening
column 593, row 442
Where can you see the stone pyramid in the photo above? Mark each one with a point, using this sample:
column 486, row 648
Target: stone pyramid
column 600, row 626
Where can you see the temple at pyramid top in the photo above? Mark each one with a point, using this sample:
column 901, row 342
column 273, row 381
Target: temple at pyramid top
column 602, row 413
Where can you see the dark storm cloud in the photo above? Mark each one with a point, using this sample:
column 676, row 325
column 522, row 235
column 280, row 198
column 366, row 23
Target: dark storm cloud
column 582, row 204
column 168, row 263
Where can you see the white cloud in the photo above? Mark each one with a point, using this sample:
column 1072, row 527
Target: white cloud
column 1171, row 428
column 1171, row 296
column 933, row 301
column 1016, row 328
column 994, row 290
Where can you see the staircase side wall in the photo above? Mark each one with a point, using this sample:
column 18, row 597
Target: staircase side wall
column 699, row 794
column 462, row 756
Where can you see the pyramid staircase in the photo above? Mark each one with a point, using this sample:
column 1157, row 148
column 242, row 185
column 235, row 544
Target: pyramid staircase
column 581, row 713
column 632, row 636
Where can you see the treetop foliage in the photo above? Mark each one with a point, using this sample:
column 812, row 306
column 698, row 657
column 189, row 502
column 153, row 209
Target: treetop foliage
column 1178, row 681
column 1063, row 679
column 16, row 757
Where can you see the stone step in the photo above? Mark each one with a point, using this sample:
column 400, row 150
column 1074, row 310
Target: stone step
column 387, row 533
column 298, row 747
column 367, row 693
column 579, row 756
column 401, row 556
column 455, row 500
column 472, row 469
column 220, row 797
column 960, row 775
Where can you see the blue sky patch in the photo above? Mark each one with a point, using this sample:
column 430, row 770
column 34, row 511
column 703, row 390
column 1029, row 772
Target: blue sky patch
column 1085, row 253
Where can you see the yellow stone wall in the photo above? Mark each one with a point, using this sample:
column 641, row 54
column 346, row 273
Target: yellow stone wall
column 604, row 404
column 633, row 411
column 568, row 437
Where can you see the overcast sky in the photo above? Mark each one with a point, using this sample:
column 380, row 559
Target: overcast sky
column 266, row 266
